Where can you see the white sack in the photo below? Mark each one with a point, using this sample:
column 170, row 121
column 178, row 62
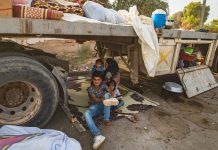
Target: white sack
column 38, row 139
column 98, row 12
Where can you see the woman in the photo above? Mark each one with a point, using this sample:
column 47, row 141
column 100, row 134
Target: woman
column 111, row 69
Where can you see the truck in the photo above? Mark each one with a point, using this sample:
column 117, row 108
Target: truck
column 33, row 82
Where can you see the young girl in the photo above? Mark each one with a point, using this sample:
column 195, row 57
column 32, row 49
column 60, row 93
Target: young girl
column 113, row 92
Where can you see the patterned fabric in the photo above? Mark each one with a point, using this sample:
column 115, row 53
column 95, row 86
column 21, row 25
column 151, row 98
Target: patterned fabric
column 57, row 6
column 98, row 93
column 23, row 2
column 36, row 13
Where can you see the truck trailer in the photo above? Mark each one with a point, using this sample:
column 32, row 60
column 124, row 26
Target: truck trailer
column 33, row 82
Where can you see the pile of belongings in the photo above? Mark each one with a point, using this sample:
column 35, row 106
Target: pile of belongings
column 71, row 10
column 44, row 9
column 55, row 9
column 190, row 57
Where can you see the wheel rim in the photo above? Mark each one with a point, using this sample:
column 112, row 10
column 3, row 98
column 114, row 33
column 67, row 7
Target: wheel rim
column 19, row 102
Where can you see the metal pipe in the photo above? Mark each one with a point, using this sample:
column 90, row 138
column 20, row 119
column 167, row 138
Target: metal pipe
column 202, row 14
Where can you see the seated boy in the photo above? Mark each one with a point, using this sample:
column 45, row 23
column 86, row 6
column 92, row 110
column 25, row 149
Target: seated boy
column 96, row 95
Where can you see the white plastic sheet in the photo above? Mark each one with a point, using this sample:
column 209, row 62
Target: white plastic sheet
column 66, row 3
column 77, row 18
column 148, row 40
column 32, row 138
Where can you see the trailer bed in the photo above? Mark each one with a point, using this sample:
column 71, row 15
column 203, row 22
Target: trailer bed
column 65, row 29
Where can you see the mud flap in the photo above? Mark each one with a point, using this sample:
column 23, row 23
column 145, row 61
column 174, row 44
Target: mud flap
column 196, row 80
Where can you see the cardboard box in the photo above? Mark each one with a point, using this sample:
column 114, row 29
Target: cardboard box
column 5, row 8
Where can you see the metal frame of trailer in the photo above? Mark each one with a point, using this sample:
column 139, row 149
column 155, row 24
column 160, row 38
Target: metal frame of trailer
column 170, row 41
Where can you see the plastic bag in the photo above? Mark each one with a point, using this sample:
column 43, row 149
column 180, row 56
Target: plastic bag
column 98, row 12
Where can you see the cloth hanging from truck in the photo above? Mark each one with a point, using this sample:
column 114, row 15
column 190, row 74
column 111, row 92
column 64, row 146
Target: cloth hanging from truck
column 148, row 40
column 149, row 54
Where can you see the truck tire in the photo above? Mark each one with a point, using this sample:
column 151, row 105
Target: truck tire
column 28, row 91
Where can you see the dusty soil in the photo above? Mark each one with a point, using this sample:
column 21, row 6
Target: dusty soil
column 178, row 123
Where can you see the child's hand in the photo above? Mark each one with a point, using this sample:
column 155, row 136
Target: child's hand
column 120, row 97
column 113, row 94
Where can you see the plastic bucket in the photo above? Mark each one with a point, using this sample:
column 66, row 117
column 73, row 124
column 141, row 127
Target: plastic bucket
column 189, row 50
column 159, row 18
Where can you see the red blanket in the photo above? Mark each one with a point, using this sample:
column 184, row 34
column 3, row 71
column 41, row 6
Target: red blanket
column 36, row 13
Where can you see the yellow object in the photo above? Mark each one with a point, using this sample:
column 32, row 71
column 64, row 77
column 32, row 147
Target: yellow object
column 164, row 56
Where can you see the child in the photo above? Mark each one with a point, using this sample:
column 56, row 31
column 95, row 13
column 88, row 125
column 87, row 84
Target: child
column 99, row 66
column 111, row 68
column 113, row 92
column 116, row 78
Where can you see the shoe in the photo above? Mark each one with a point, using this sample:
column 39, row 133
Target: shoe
column 108, row 123
column 98, row 140
column 110, row 102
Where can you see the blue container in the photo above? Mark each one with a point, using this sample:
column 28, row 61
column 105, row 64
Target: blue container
column 159, row 18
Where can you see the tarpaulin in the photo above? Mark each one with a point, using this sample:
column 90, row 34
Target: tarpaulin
column 32, row 138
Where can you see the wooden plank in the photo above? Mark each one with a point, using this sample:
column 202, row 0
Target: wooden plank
column 198, row 41
column 197, row 80
column 13, row 26
column 134, row 69
column 198, row 35
column 209, row 53
column 191, row 69
column 175, row 58
column 211, row 58
column 166, row 50
column 187, row 34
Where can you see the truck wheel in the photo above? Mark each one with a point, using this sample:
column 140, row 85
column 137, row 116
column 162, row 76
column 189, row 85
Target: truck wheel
column 28, row 92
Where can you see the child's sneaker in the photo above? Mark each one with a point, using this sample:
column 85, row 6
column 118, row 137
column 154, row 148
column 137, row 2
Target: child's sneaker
column 98, row 140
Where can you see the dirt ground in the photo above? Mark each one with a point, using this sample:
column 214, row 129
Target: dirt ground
column 177, row 123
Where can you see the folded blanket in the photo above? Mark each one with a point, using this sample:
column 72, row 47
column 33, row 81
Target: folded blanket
column 57, row 6
column 36, row 13
column 23, row 2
